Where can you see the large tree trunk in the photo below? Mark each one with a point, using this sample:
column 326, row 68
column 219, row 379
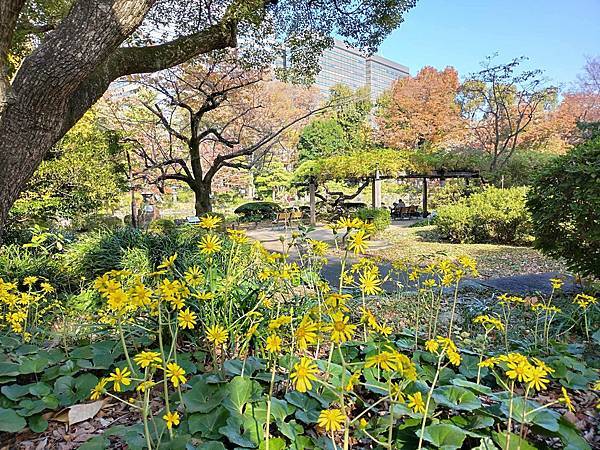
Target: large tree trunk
column 202, row 192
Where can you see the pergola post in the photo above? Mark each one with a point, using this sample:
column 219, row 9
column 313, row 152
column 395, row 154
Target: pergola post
column 312, row 190
column 425, row 212
column 376, row 190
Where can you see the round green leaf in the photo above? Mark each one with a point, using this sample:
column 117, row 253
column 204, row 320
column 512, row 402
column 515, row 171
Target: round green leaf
column 10, row 421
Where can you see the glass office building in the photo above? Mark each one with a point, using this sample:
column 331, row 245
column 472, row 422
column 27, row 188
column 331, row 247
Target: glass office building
column 346, row 65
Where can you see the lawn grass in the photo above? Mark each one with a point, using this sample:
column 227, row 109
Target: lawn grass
column 422, row 244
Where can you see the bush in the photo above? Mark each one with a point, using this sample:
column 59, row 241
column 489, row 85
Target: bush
column 162, row 226
column 565, row 208
column 494, row 215
column 380, row 217
column 452, row 193
column 257, row 211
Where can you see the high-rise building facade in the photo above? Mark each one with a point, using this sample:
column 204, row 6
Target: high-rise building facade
column 346, row 65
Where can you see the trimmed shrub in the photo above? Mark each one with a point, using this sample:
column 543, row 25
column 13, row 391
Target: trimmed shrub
column 162, row 226
column 565, row 207
column 380, row 217
column 257, row 211
column 497, row 216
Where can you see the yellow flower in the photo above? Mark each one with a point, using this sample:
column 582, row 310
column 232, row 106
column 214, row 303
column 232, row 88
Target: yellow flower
column 340, row 329
column 358, row 242
column 556, row 283
column 209, row 244
column 432, row 346
column 204, row 296
column 172, row 419
column 117, row 300
column 168, row 262
column 209, row 222
column 120, row 377
column 306, row 333
column 369, row 283
column 346, row 222
column 30, row 280
column 303, row 373
column 453, row 357
column 99, row 389
column 275, row 324
column 489, row 322
column 384, row 329
column 145, row 359
column 536, row 378
column 47, row 287
column 489, row 362
column 273, row 343
column 337, row 301
column 175, row 373
column 518, row 371
column 216, row 334
column 416, row 403
column 194, row 276
column 352, row 381
column 331, row 420
column 384, row 360
column 237, row 236
column 566, row 400
column 318, row 248
column 145, row 385
column 187, row 319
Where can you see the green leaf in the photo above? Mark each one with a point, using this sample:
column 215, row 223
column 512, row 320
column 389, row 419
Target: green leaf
column 96, row 443
column 308, row 409
column 444, row 436
column 274, row 443
column 469, row 366
column 571, row 436
column 232, row 432
column 207, row 424
column 515, row 441
column 473, row 386
column 204, row 397
column 486, row 443
column 241, row 390
column 212, row 445
column 9, row 369
column 456, row 397
column 10, row 421
column 37, row 423
column 15, row 391
column 522, row 413
column 33, row 364
column 39, row 389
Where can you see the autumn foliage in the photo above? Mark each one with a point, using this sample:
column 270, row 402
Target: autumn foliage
column 423, row 109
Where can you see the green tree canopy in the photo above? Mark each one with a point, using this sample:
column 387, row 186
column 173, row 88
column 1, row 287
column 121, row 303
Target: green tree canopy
column 81, row 174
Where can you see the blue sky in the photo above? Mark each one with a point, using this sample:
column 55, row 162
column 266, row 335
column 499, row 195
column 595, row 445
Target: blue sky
column 556, row 35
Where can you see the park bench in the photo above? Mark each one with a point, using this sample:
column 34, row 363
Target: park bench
column 296, row 216
column 283, row 218
column 405, row 212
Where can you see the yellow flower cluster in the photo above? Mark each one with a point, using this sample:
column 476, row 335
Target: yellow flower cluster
column 444, row 346
column 519, row 368
column 489, row 322
column 584, row 300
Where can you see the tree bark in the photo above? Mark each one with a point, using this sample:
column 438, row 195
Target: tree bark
column 203, row 203
column 70, row 71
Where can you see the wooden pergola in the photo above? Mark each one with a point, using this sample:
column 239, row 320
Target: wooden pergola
column 376, row 180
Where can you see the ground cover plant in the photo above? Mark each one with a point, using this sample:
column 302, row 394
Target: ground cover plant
column 228, row 345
